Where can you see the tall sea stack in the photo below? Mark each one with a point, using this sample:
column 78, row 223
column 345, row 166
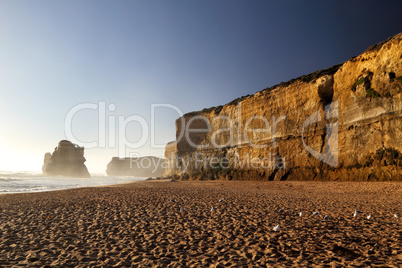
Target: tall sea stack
column 67, row 160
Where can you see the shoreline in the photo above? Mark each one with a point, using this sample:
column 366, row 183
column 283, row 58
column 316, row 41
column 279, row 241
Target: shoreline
column 40, row 184
column 137, row 224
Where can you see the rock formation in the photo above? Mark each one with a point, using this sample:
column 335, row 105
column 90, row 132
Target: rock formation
column 341, row 123
column 67, row 160
column 148, row 166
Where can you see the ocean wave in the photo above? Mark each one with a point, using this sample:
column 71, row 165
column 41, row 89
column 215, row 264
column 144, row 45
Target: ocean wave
column 29, row 184
column 4, row 173
column 8, row 179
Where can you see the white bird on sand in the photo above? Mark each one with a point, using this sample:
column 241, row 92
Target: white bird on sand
column 172, row 200
column 182, row 210
column 325, row 217
column 316, row 213
column 356, row 213
column 212, row 209
column 396, row 215
column 222, row 199
column 369, row 217
column 281, row 210
column 276, row 228
column 301, row 213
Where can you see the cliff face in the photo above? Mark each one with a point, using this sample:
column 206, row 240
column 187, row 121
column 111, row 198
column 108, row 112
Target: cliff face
column 148, row 166
column 341, row 123
column 67, row 160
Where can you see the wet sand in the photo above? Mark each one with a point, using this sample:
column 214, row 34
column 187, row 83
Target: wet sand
column 137, row 225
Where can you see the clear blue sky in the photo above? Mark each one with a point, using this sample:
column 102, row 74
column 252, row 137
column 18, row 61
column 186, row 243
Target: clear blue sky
column 191, row 54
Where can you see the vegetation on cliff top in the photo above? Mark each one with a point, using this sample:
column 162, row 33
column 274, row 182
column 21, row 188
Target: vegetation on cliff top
column 308, row 78
column 378, row 46
column 370, row 93
column 305, row 79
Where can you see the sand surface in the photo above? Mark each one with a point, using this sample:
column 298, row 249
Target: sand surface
column 136, row 225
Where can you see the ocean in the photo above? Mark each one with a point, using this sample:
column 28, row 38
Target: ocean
column 29, row 182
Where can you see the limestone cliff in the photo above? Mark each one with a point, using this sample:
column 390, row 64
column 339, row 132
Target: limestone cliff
column 341, row 123
column 67, row 160
column 148, row 166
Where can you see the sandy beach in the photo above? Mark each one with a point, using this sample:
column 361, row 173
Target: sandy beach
column 142, row 225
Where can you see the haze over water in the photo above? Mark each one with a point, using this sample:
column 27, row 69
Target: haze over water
column 28, row 182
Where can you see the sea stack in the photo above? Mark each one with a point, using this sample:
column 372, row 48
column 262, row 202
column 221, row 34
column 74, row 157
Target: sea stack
column 148, row 166
column 67, row 160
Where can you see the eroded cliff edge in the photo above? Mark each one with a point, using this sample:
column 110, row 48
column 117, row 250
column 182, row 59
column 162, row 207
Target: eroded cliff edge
column 341, row 123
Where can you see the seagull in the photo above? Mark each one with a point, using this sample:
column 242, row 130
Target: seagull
column 212, row 209
column 182, row 210
column 281, row 210
column 300, row 214
column 325, row 217
column 316, row 213
column 172, row 200
column 276, row 228
column 222, row 199
column 396, row 215
column 368, row 217
column 356, row 213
